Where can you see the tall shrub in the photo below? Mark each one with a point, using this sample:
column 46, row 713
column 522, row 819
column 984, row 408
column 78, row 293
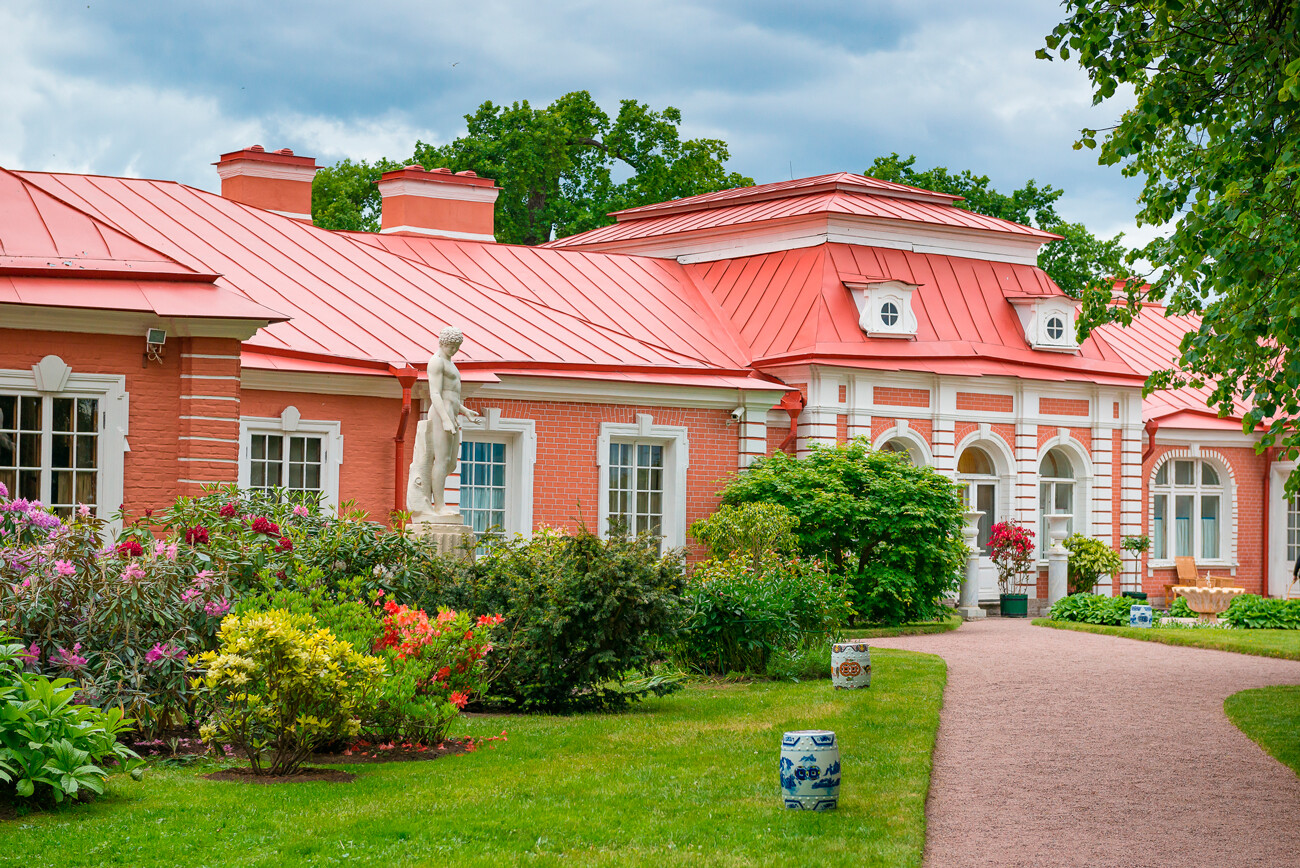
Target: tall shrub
column 892, row 529
column 1090, row 559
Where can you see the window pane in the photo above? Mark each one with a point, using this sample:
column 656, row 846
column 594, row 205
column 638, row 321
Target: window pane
column 1183, row 505
column 29, row 484
column 296, row 449
column 295, row 476
column 1184, row 473
column 87, row 488
column 258, row 450
column 1162, row 475
column 86, row 457
column 975, row 461
column 1208, row 475
column 1293, row 529
column 87, row 410
column 313, row 449
column 984, row 497
column 1210, row 526
column 63, row 414
column 30, row 411
column 1065, row 498
column 62, row 452
column 313, row 477
column 1160, row 551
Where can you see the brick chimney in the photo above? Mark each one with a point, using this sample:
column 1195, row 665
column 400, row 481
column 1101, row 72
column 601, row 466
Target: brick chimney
column 438, row 203
column 278, row 181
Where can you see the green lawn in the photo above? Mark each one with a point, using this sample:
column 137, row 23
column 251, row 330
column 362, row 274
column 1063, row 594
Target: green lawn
column 1270, row 716
column 687, row 779
column 1262, row 643
column 916, row 628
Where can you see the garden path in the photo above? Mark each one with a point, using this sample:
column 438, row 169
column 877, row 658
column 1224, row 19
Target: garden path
column 1060, row 748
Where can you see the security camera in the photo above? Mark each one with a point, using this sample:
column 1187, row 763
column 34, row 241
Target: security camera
column 737, row 414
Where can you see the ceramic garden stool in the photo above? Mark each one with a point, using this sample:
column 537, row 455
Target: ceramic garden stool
column 810, row 770
column 850, row 664
column 1139, row 615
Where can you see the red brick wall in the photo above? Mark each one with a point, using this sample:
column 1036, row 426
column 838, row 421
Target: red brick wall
column 1083, row 435
column 985, row 403
column 1064, row 407
column 923, row 427
column 893, row 397
column 1248, row 476
column 841, row 428
column 962, row 430
column 153, row 467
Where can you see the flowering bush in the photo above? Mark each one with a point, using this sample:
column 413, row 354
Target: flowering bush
column 95, row 614
column 279, row 686
column 1011, row 548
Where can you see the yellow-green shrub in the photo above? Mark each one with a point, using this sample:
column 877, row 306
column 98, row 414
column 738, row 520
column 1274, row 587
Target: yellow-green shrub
column 279, row 686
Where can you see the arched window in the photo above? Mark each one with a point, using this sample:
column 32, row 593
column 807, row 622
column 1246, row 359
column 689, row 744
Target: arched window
column 1055, row 493
column 976, row 469
column 1188, row 511
column 899, row 446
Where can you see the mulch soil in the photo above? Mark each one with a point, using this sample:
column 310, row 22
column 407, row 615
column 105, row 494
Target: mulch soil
column 304, row 775
column 397, row 753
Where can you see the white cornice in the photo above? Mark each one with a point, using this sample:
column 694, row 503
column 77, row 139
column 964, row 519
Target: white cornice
column 112, row 322
column 440, row 233
column 623, row 392
column 1209, row 437
column 264, row 380
column 432, row 188
column 259, row 169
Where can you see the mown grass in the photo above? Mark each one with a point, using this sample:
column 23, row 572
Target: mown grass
column 916, row 628
column 1262, row 643
column 1271, row 717
column 686, row 779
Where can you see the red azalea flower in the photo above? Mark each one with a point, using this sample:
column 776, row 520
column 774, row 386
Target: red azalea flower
column 262, row 524
column 148, row 513
column 285, row 545
column 130, row 547
column 229, row 510
column 197, row 535
column 458, row 699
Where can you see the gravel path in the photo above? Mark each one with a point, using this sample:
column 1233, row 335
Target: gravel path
column 1059, row 748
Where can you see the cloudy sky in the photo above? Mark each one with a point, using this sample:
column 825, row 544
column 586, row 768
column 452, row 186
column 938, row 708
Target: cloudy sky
column 159, row 88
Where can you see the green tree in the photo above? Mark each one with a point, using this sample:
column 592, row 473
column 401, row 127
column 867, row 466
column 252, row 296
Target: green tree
column 1076, row 261
column 894, row 530
column 557, row 167
column 1214, row 131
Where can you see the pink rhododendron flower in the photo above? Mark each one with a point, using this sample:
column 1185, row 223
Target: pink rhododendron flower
column 172, row 551
column 65, row 568
column 159, row 547
column 31, row 655
column 4, row 491
column 203, row 578
column 301, row 510
column 69, row 659
column 83, row 510
column 218, row 607
column 170, row 651
column 133, row 572
column 189, row 594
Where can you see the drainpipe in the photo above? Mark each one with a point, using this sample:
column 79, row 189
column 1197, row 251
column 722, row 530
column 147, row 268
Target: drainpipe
column 1270, row 454
column 407, row 377
column 793, row 403
column 1152, row 426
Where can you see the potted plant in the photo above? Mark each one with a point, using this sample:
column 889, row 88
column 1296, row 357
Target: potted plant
column 1011, row 548
column 1090, row 559
column 1136, row 545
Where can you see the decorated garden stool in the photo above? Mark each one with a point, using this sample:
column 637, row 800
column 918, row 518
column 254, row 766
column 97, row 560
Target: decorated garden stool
column 810, row 770
column 850, row 664
column 1139, row 616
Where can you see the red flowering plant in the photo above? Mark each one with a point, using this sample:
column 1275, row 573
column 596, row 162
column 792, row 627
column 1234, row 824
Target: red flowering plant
column 437, row 666
column 1011, row 548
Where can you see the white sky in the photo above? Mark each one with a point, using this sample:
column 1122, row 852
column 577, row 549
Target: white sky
column 159, row 88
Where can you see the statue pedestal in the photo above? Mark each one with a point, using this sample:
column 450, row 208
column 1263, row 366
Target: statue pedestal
column 448, row 533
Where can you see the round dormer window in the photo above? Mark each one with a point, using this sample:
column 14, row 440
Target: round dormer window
column 1055, row 328
column 889, row 314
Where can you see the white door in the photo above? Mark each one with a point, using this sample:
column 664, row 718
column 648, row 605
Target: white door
column 985, row 497
column 1284, row 536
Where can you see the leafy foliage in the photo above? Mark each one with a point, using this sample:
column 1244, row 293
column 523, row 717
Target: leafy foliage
column 279, row 686
column 1214, row 132
column 755, row 530
column 580, row 613
column 892, row 529
column 740, row 617
column 1179, row 609
column 1254, row 612
column 556, row 167
column 1075, row 262
column 1089, row 608
column 50, row 746
column 1090, row 559
column 1011, row 548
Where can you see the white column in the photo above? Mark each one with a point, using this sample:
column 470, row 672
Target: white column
column 752, row 435
column 817, row 425
column 968, row 604
column 1058, row 559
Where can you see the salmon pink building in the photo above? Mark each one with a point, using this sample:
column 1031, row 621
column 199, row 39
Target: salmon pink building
column 156, row 338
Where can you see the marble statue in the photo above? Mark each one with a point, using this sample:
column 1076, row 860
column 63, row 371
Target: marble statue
column 437, row 447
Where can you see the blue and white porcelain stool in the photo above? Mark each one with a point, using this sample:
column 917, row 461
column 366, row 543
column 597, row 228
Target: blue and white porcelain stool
column 810, row 770
column 1139, row 615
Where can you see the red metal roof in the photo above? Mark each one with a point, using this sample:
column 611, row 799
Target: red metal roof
column 842, row 194
column 1149, row 344
column 793, row 305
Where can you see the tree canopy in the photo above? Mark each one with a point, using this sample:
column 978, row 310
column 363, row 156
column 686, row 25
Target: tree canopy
column 1075, row 262
column 558, row 167
column 1214, row 131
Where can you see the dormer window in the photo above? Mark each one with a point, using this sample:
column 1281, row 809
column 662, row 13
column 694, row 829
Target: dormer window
column 1048, row 322
column 885, row 308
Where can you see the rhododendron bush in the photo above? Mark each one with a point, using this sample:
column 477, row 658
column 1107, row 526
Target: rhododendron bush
column 1011, row 548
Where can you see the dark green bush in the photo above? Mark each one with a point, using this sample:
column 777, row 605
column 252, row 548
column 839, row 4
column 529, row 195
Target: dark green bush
column 1092, row 609
column 892, row 529
column 582, row 614
column 1179, row 609
column 1090, row 559
column 1254, row 612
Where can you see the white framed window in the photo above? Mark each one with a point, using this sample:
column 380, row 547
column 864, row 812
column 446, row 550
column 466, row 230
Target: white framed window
column 1293, row 529
column 1190, row 511
column 62, row 436
column 885, row 308
column 1055, row 328
column 292, row 453
column 1056, row 494
column 643, row 479
column 902, row 440
column 978, row 473
column 497, row 456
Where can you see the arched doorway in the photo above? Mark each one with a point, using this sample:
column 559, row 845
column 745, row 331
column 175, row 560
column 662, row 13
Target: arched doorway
column 978, row 472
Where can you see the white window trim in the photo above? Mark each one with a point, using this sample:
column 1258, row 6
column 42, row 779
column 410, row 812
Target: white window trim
column 870, row 298
column 916, row 445
column 1083, row 486
column 1228, row 524
column 677, row 447
column 520, row 437
column 290, row 421
column 1034, row 314
column 53, row 377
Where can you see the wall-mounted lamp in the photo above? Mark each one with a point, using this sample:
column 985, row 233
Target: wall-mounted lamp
column 153, row 347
